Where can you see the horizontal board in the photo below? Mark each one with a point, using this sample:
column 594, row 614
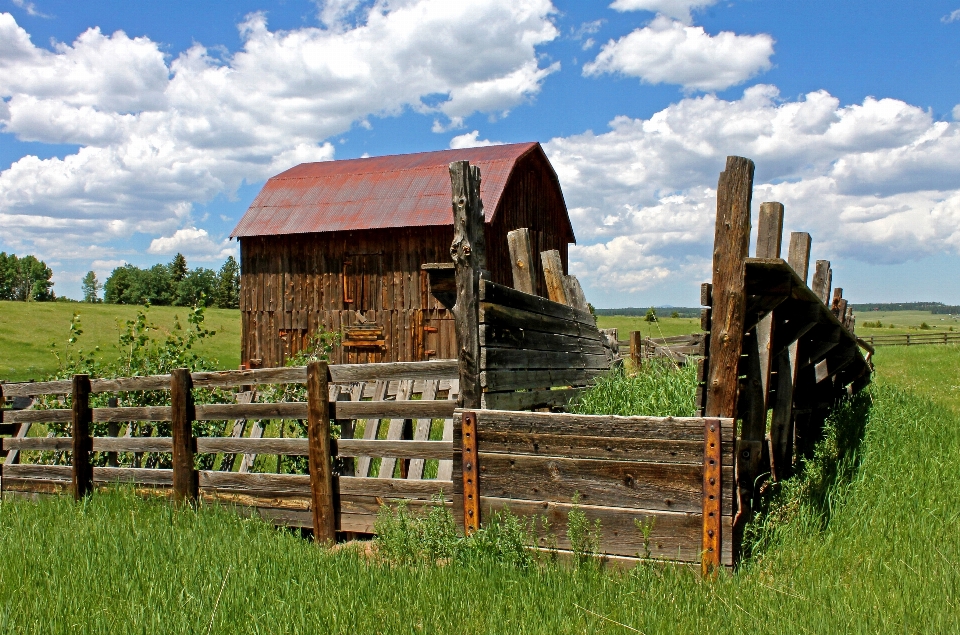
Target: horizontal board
column 34, row 388
column 500, row 380
column 60, row 415
column 398, row 449
column 393, row 487
column 657, row 486
column 138, row 476
column 412, row 409
column 134, row 413
column 433, row 369
column 505, row 358
column 510, row 337
column 38, row 443
column 283, row 410
column 497, row 315
column 262, row 484
column 529, row 399
column 37, row 472
column 690, row 428
column 34, row 488
column 232, row 445
column 132, row 444
column 131, row 384
column 285, row 517
column 509, row 297
column 276, row 501
column 586, row 447
column 673, row 536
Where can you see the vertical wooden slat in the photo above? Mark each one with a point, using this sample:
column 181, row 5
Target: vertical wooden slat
column 554, row 277
column 422, row 432
column 468, row 251
column 521, row 260
column 113, row 430
column 321, row 468
column 799, row 255
column 636, row 347
column 769, row 230
column 821, row 284
column 371, row 428
column 82, row 444
column 712, row 488
column 186, row 486
column 471, row 474
column 395, row 429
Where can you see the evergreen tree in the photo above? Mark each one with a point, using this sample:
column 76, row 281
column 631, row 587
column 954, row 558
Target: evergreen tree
column 228, row 285
column 178, row 270
column 91, row 287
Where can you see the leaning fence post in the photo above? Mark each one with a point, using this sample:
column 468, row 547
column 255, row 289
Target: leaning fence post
column 521, row 261
column 731, row 245
column 321, row 466
column 636, row 348
column 186, row 482
column 82, row 445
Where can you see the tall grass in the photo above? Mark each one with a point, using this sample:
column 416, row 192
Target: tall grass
column 659, row 388
column 867, row 548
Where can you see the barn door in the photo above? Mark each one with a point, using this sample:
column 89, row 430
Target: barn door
column 363, row 282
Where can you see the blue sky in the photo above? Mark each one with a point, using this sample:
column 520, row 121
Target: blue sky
column 152, row 133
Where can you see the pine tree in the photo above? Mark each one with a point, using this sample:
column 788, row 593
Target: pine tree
column 91, row 287
column 178, row 269
column 228, row 285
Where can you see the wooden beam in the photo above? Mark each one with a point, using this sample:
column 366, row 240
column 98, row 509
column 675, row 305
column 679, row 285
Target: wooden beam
column 554, row 276
column 521, row 261
column 636, row 347
column 186, row 484
column 471, row 474
column 712, row 491
column 799, row 255
column 469, row 257
column 769, row 230
column 82, row 445
column 821, row 281
column 731, row 245
column 321, row 466
column 575, row 293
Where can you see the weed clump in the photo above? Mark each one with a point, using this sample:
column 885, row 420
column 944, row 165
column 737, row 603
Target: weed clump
column 657, row 389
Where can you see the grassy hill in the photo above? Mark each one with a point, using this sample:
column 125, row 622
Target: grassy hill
column 28, row 328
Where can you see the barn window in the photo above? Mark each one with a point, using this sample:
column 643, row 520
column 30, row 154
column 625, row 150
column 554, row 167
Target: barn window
column 362, row 280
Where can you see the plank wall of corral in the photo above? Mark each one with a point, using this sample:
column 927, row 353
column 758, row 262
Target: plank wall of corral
column 292, row 285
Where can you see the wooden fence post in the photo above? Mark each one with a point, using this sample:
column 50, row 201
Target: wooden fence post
column 636, row 348
column 554, row 276
column 521, row 261
column 321, row 465
column 82, row 445
column 799, row 255
column 731, row 245
column 471, row 473
column 468, row 252
column 186, row 484
column 821, row 281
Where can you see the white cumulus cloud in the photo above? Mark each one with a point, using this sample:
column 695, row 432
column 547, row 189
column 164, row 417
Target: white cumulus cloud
column 877, row 181
column 193, row 242
column 676, row 9
column 471, row 140
column 669, row 52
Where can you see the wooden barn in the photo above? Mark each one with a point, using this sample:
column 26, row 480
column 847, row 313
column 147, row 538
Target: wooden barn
column 340, row 245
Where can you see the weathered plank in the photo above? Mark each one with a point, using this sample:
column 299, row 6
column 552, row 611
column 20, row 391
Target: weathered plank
column 395, row 427
column 220, row 412
column 137, row 476
column 669, row 428
column 521, row 261
column 507, row 358
column 59, row 415
column 528, row 399
column 554, row 276
column 663, row 486
column 133, row 444
column 412, row 409
column 371, row 428
column 468, row 252
column 422, row 431
column 799, row 255
column 821, row 281
column 34, row 472
column 394, row 487
column 769, row 230
column 505, row 296
column 508, row 336
column 500, row 380
column 134, row 413
column 48, row 444
column 504, row 316
column 688, row 452
column 575, row 295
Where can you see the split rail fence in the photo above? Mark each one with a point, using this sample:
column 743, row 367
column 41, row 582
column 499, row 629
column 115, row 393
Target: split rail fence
column 912, row 339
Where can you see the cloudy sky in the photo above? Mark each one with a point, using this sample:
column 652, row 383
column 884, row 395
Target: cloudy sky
column 133, row 130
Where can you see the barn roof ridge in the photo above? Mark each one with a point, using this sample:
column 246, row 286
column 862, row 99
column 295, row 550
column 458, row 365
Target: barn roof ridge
column 390, row 191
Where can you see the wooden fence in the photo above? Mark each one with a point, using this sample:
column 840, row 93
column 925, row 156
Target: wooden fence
column 912, row 339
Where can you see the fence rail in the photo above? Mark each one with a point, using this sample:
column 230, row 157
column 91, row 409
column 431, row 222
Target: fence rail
column 911, row 339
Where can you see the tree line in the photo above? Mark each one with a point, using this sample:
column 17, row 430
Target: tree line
column 25, row 279
column 170, row 284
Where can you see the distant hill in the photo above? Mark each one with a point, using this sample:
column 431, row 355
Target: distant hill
column 665, row 311
column 938, row 308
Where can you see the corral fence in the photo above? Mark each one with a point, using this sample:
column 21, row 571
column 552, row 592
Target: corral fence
column 678, row 489
column 912, row 339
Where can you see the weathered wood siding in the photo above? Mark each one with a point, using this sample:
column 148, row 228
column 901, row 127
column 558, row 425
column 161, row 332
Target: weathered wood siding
column 293, row 285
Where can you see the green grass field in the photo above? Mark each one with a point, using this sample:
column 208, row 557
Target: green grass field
column 28, row 328
column 869, row 547
column 663, row 327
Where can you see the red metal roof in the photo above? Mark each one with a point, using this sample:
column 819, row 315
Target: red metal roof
column 404, row 190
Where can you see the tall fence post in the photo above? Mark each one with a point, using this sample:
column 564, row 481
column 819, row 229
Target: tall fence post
column 521, row 261
column 186, row 481
column 321, row 465
column 82, row 445
column 636, row 348
column 731, row 245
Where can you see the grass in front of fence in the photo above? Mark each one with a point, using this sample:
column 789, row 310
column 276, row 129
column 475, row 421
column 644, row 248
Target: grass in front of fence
column 659, row 388
column 866, row 549
column 28, row 328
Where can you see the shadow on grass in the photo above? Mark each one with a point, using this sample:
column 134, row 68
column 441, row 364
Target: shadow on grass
column 811, row 495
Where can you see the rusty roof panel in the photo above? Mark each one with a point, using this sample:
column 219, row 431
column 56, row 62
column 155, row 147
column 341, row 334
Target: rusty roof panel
column 407, row 190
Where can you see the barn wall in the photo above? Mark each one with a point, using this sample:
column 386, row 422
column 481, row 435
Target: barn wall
column 293, row 285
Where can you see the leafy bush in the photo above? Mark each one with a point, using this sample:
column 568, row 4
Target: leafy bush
column 651, row 315
column 25, row 279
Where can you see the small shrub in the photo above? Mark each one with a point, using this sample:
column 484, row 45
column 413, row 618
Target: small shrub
column 583, row 535
column 873, row 325
column 651, row 315
column 924, row 326
column 675, row 314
